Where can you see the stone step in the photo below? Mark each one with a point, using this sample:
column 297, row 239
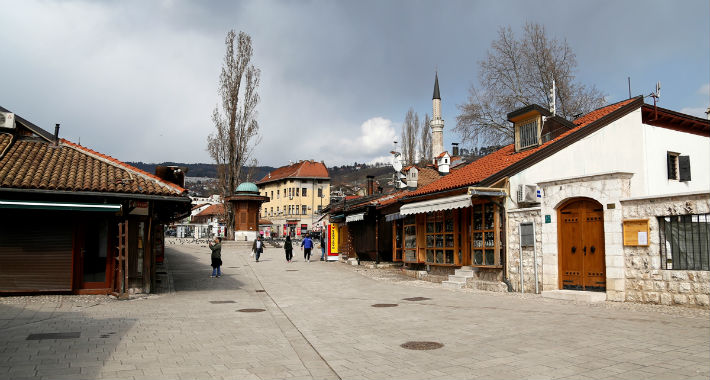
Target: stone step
column 575, row 295
column 464, row 272
column 451, row 285
column 458, row 279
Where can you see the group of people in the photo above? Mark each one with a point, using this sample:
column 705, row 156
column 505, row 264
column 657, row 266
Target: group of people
column 258, row 248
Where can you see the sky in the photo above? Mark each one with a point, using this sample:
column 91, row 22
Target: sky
column 138, row 80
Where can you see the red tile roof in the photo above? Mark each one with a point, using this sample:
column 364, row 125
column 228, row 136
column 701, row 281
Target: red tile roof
column 217, row 209
column 301, row 169
column 506, row 156
column 34, row 164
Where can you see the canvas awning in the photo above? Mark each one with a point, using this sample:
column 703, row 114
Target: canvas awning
column 355, row 217
column 65, row 206
column 448, row 203
column 394, row 216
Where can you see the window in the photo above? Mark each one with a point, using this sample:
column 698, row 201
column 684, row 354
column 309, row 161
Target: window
column 678, row 167
column 320, row 209
column 484, row 229
column 440, row 237
column 527, row 134
column 272, row 194
column 685, row 242
column 272, row 211
column 277, row 209
column 398, row 230
column 303, row 210
column 320, row 192
column 296, row 191
column 278, row 193
column 410, row 239
column 303, row 192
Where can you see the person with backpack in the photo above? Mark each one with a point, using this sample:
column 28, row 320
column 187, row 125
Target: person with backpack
column 288, row 247
column 306, row 246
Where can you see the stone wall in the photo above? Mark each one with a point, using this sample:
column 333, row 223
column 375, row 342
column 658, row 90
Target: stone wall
column 515, row 217
column 646, row 282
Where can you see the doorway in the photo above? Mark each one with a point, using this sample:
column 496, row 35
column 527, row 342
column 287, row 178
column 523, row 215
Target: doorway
column 93, row 249
column 581, row 245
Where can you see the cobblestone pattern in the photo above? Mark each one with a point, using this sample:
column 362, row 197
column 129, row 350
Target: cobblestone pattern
column 514, row 220
column 646, row 282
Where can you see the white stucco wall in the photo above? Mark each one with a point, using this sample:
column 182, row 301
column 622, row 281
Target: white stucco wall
column 660, row 141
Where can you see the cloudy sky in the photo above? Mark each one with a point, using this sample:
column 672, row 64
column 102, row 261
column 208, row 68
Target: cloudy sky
column 138, row 79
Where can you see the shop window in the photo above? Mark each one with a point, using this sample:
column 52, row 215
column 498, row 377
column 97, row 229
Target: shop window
column 398, row 233
column 485, row 245
column 410, row 239
column 440, row 230
column 685, row 242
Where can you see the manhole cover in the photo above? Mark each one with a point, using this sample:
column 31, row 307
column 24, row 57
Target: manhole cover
column 385, row 305
column 60, row 335
column 260, row 290
column 250, row 310
column 291, row 270
column 416, row 299
column 419, row 345
column 220, row 302
column 232, row 267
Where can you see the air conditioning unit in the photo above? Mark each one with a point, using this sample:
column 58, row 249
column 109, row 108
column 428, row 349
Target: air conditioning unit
column 7, row 120
column 529, row 194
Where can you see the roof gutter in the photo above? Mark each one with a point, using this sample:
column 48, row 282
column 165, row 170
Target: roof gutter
column 412, row 198
column 98, row 194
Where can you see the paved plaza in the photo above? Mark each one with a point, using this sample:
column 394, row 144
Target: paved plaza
column 273, row 320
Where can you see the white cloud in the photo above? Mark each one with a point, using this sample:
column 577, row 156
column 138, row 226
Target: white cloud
column 695, row 111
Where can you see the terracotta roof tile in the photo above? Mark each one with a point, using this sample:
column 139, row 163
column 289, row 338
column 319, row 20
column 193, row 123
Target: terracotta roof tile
column 217, row 209
column 303, row 169
column 33, row 164
column 486, row 166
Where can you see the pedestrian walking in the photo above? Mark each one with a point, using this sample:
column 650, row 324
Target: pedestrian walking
column 216, row 247
column 307, row 245
column 288, row 247
column 258, row 247
column 322, row 247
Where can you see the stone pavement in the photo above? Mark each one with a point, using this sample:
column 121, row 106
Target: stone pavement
column 319, row 323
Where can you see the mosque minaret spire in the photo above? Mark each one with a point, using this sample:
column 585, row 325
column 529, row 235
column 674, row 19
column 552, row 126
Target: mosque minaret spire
column 437, row 123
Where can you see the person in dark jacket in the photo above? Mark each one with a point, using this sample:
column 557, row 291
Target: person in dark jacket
column 216, row 247
column 257, row 247
column 322, row 246
column 307, row 245
column 288, row 247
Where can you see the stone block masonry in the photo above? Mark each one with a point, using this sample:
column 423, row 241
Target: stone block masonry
column 646, row 280
column 515, row 217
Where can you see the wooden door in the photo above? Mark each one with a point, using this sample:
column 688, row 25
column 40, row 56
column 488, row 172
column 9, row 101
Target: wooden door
column 94, row 258
column 581, row 246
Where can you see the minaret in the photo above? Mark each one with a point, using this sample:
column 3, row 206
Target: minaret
column 437, row 123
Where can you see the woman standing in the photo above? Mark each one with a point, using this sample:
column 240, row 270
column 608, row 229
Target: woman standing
column 288, row 247
column 216, row 247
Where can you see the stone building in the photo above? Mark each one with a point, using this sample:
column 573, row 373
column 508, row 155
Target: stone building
column 600, row 207
column 297, row 193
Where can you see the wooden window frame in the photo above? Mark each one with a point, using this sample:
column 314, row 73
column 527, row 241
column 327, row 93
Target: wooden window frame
column 434, row 235
column 495, row 230
column 518, row 133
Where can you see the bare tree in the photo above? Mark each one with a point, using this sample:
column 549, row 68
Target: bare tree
column 236, row 134
column 410, row 132
column 425, row 142
column 519, row 72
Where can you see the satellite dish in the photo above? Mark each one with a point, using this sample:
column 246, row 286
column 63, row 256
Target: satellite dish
column 397, row 162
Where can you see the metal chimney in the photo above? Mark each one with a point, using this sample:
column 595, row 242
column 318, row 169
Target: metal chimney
column 56, row 133
column 370, row 184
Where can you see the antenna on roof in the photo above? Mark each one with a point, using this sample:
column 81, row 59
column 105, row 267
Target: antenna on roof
column 552, row 99
column 656, row 95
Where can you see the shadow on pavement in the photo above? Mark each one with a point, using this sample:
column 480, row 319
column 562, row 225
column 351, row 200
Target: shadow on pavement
column 191, row 270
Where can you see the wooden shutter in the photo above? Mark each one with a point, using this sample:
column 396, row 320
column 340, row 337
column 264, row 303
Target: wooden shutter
column 684, row 168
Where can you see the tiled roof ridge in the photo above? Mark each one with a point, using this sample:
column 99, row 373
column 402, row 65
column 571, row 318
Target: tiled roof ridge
column 115, row 162
column 293, row 170
column 620, row 103
column 9, row 144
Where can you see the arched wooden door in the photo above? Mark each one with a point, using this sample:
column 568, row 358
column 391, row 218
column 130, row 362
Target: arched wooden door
column 581, row 245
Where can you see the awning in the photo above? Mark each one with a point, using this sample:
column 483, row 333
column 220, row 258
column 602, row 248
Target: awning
column 65, row 206
column 355, row 217
column 448, row 203
column 395, row 216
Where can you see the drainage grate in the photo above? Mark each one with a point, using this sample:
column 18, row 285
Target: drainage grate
column 416, row 299
column 250, row 310
column 104, row 336
column 220, row 302
column 291, row 270
column 385, row 305
column 61, row 335
column 232, row 267
column 419, row 345
column 260, row 290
